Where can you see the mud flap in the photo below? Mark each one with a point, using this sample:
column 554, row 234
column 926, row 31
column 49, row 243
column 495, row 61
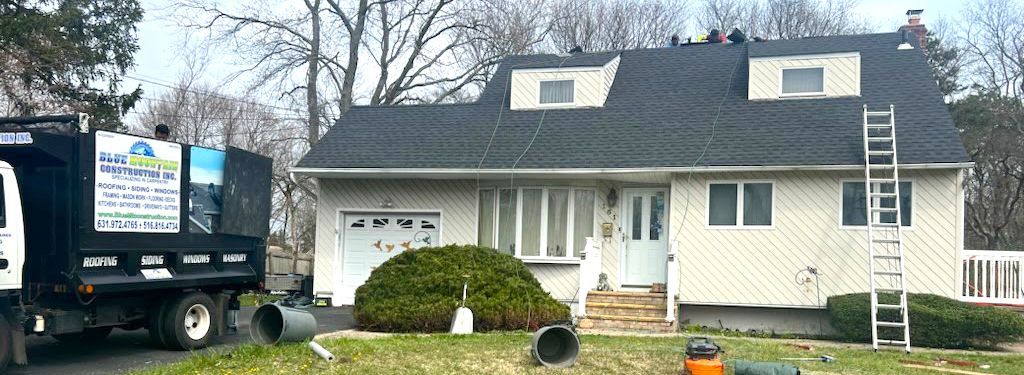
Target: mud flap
column 220, row 302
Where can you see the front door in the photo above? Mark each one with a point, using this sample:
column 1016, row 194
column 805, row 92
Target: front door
column 646, row 242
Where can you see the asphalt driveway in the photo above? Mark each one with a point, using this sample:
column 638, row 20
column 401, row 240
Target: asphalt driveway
column 129, row 350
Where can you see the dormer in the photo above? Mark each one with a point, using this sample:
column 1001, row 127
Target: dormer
column 804, row 76
column 577, row 81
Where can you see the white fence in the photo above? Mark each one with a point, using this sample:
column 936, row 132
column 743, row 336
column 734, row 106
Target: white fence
column 992, row 277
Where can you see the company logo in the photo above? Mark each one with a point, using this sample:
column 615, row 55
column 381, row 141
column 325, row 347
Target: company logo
column 151, row 260
column 19, row 138
column 107, row 261
column 196, row 259
column 142, row 148
column 234, row 258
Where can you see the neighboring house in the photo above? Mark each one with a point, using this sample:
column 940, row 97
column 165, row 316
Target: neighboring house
column 745, row 160
column 204, row 204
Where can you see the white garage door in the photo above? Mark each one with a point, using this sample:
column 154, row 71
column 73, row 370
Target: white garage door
column 371, row 239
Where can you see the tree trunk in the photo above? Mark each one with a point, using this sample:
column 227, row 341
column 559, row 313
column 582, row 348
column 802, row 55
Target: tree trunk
column 312, row 75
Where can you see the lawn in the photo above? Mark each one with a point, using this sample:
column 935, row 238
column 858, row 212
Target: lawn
column 509, row 353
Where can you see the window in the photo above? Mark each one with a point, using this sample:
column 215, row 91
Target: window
column 541, row 222
column 557, row 92
column 803, row 81
column 3, row 205
column 854, row 210
column 740, row 204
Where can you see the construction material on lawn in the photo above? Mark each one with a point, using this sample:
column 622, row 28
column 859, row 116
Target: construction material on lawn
column 941, row 369
column 462, row 321
column 741, row 367
column 556, row 346
column 272, row 324
column 320, row 351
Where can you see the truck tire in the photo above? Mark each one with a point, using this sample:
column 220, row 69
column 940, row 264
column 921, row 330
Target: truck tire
column 189, row 321
column 6, row 348
column 87, row 336
column 156, row 324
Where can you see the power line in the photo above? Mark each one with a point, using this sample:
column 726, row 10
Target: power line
column 195, row 117
column 203, row 92
column 180, row 102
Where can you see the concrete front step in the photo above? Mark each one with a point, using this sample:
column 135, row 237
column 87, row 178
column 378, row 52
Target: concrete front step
column 633, row 298
column 598, row 323
column 617, row 311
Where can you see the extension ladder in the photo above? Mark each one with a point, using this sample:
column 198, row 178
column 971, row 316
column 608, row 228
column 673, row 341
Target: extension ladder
column 885, row 235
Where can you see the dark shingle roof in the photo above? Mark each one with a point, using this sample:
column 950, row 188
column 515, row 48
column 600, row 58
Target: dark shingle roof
column 571, row 60
column 659, row 113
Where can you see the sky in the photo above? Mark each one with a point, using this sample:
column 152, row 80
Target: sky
column 206, row 166
column 162, row 57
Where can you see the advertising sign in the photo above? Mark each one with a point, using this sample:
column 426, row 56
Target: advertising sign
column 138, row 184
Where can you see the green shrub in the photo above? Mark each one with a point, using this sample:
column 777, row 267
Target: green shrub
column 935, row 321
column 418, row 291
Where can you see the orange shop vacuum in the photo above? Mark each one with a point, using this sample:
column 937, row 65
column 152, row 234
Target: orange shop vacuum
column 702, row 357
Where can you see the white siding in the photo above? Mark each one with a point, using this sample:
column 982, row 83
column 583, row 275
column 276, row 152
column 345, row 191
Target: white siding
column 758, row 266
column 591, row 85
column 842, row 75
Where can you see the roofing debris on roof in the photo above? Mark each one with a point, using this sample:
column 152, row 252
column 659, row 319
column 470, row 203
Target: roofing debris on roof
column 659, row 113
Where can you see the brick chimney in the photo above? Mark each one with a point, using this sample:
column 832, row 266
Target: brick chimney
column 915, row 27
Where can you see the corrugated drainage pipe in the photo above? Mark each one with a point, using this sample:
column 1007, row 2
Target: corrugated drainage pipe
column 272, row 324
column 556, row 346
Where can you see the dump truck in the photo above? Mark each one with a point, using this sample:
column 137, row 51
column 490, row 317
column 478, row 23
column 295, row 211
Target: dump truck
column 102, row 229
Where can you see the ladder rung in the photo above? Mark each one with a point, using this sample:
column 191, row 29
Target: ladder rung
column 885, row 240
column 878, row 126
column 888, row 273
column 882, row 181
column 879, row 153
column 883, row 209
column 885, row 225
column 890, row 324
column 892, row 342
column 890, row 257
column 886, row 290
column 890, row 307
column 879, row 139
column 879, row 113
column 889, row 195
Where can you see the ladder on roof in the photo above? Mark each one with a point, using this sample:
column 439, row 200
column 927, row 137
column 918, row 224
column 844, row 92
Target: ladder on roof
column 889, row 312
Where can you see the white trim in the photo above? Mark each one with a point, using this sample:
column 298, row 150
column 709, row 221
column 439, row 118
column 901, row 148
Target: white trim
column 913, row 204
column 731, row 304
column 567, row 69
column 550, row 260
column 739, row 205
column 460, row 172
column 806, row 56
column 571, row 104
column 626, row 231
column 809, row 94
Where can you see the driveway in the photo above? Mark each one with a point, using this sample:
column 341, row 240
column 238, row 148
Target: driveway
column 131, row 350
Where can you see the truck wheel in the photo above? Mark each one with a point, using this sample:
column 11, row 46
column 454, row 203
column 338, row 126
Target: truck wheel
column 188, row 321
column 6, row 348
column 87, row 336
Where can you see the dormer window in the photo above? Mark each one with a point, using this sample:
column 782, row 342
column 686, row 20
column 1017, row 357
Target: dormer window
column 809, row 81
column 558, row 92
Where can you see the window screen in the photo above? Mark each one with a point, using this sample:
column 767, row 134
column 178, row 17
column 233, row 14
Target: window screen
column 556, row 92
column 722, row 205
column 803, row 81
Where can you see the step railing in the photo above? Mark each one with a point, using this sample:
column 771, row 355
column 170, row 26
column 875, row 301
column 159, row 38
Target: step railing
column 995, row 277
column 672, row 281
column 590, row 272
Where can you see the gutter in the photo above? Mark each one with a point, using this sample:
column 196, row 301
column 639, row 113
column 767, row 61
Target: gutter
column 329, row 172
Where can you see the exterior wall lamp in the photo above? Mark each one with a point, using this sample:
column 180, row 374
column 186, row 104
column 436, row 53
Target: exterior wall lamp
column 612, row 198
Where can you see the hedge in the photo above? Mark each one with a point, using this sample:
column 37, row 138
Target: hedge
column 935, row 321
column 419, row 290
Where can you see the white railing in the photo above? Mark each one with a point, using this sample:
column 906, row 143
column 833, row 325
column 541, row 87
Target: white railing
column 672, row 279
column 992, row 277
column 590, row 271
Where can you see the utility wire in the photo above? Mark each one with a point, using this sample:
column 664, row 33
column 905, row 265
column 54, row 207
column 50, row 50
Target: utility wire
column 203, row 92
column 169, row 101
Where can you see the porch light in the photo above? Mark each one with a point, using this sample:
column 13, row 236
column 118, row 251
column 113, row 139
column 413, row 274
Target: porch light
column 613, row 198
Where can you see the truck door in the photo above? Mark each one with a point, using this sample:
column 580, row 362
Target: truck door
column 12, row 230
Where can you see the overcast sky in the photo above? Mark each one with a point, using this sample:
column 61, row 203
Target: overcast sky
column 160, row 58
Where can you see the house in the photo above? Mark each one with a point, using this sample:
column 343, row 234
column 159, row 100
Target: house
column 732, row 172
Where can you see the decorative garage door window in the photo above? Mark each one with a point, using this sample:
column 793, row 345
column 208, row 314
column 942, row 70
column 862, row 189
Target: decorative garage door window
column 413, row 232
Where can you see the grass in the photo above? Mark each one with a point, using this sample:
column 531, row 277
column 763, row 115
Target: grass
column 509, row 353
column 256, row 299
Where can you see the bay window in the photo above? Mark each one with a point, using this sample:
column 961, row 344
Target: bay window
column 536, row 222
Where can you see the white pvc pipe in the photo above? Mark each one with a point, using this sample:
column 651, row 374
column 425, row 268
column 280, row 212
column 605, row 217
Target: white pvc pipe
column 320, row 351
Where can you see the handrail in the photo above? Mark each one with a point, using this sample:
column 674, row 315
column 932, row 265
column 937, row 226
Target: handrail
column 995, row 277
column 672, row 279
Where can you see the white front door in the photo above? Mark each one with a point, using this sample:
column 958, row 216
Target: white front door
column 646, row 232
column 371, row 239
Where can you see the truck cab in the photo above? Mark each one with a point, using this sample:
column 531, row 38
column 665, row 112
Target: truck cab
column 12, row 231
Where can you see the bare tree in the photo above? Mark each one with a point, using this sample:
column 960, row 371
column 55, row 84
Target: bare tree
column 612, row 25
column 782, row 19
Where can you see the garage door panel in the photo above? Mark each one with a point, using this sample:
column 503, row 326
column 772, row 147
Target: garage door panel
column 372, row 239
